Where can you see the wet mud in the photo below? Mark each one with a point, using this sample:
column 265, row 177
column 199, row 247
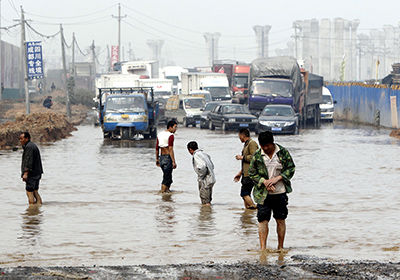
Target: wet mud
column 304, row 268
column 395, row 133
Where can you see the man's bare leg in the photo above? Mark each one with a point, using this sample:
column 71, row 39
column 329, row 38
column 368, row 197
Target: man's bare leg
column 31, row 198
column 248, row 202
column 37, row 197
column 281, row 231
column 263, row 234
column 164, row 188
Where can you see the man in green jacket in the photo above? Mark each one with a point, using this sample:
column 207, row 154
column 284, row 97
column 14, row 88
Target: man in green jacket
column 271, row 169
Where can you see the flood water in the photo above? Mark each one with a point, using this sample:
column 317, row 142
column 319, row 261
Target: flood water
column 102, row 206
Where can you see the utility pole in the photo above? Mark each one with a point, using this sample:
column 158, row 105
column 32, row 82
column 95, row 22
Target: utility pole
column 1, row 61
column 24, row 71
column 92, row 48
column 119, row 17
column 65, row 72
column 73, row 71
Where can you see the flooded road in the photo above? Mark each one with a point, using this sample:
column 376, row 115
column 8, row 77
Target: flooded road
column 102, row 206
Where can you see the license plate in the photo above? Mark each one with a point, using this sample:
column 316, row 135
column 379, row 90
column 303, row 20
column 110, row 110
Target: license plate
column 197, row 122
column 125, row 116
column 276, row 129
column 244, row 125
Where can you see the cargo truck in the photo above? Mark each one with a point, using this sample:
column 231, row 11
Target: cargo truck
column 216, row 83
column 279, row 80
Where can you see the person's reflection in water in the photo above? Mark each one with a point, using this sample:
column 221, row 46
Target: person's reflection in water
column 247, row 220
column 165, row 214
column 206, row 225
column 268, row 254
column 31, row 220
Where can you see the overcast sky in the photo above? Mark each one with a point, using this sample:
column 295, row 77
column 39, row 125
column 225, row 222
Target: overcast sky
column 181, row 23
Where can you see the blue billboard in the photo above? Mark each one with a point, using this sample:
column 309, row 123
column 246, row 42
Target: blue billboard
column 34, row 60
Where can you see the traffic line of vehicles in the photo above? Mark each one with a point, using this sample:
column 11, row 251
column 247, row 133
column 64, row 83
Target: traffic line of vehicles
column 269, row 94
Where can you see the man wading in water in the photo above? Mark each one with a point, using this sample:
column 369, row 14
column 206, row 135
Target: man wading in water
column 165, row 143
column 271, row 169
column 249, row 148
column 204, row 168
column 31, row 168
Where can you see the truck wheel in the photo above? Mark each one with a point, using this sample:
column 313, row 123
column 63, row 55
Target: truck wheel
column 296, row 130
column 153, row 133
column 185, row 124
column 211, row 126
column 106, row 135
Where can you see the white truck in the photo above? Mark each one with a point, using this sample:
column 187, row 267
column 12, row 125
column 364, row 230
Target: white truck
column 145, row 69
column 174, row 73
column 216, row 83
column 116, row 80
column 162, row 88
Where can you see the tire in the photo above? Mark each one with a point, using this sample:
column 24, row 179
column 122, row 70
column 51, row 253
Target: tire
column 106, row 135
column 185, row 124
column 211, row 125
column 223, row 126
column 296, row 130
column 153, row 133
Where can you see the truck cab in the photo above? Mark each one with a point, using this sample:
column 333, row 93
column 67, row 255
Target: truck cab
column 128, row 112
column 266, row 91
column 193, row 109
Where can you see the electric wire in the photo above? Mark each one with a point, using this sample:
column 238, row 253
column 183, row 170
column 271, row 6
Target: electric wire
column 72, row 17
column 41, row 34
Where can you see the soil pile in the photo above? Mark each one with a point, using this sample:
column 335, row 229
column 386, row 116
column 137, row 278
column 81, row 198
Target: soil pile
column 43, row 127
column 395, row 133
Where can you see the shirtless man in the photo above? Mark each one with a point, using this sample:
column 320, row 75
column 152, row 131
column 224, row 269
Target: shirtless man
column 166, row 160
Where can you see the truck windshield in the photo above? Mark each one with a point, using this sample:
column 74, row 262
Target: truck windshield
column 278, row 111
column 125, row 104
column 326, row 99
column 272, row 88
column 240, row 81
column 162, row 94
column 235, row 109
column 218, row 91
column 175, row 79
column 195, row 103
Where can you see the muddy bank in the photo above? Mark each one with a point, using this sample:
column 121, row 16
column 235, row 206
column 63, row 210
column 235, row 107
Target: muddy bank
column 301, row 270
column 395, row 133
column 43, row 127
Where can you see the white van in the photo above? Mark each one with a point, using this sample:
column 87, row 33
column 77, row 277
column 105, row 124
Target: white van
column 327, row 106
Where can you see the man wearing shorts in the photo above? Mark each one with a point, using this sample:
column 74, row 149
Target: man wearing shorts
column 31, row 168
column 165, row 147
column 204, row 168
column 249, row 148
column 271, row 169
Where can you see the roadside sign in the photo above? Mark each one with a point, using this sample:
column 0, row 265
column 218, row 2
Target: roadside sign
column 34, row 60
column 114, row 55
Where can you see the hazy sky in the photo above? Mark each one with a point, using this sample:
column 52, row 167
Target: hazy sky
column 181, row 23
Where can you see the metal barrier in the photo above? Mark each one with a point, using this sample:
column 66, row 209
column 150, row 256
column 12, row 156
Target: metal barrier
column 376, row 104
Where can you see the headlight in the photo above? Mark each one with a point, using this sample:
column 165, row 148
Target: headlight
column 228, row 95
column 254, row 120
column 189, row 115
column 231, row 120
column 267, row 123
column 288, row 123
column 110, row 118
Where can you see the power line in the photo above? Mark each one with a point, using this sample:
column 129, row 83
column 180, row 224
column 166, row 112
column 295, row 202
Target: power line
column 91, row 21
column 79, row 49
column 41, row 34
column 13, row 6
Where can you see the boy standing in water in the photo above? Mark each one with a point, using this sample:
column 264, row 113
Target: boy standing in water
column 166, row 159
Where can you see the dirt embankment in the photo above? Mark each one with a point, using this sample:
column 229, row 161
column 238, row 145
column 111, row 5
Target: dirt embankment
column 44, row 125
column 395, row 133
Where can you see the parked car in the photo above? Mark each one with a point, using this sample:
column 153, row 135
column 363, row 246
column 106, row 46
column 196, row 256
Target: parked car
column 231, row 116
column 327, row 107
column 204, row 123
column 192, row 107
column 279, row 119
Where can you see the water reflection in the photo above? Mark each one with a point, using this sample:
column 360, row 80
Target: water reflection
column 129, row 143
column 31, row 221
column 247, row 221
column 206, row 221
column 270, row 255
column 165, row 214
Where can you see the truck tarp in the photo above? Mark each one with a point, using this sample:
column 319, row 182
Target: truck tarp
column 280, row 66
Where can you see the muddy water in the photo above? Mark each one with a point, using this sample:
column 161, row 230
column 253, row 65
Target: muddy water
column 102, row 204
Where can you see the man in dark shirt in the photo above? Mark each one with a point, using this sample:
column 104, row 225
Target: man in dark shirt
column 31, row 168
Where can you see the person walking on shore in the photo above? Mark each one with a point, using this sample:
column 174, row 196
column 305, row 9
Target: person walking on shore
column 204, row 168
column 249, row 148
column 31, row 168
column 165, row 156
column 271, row 169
